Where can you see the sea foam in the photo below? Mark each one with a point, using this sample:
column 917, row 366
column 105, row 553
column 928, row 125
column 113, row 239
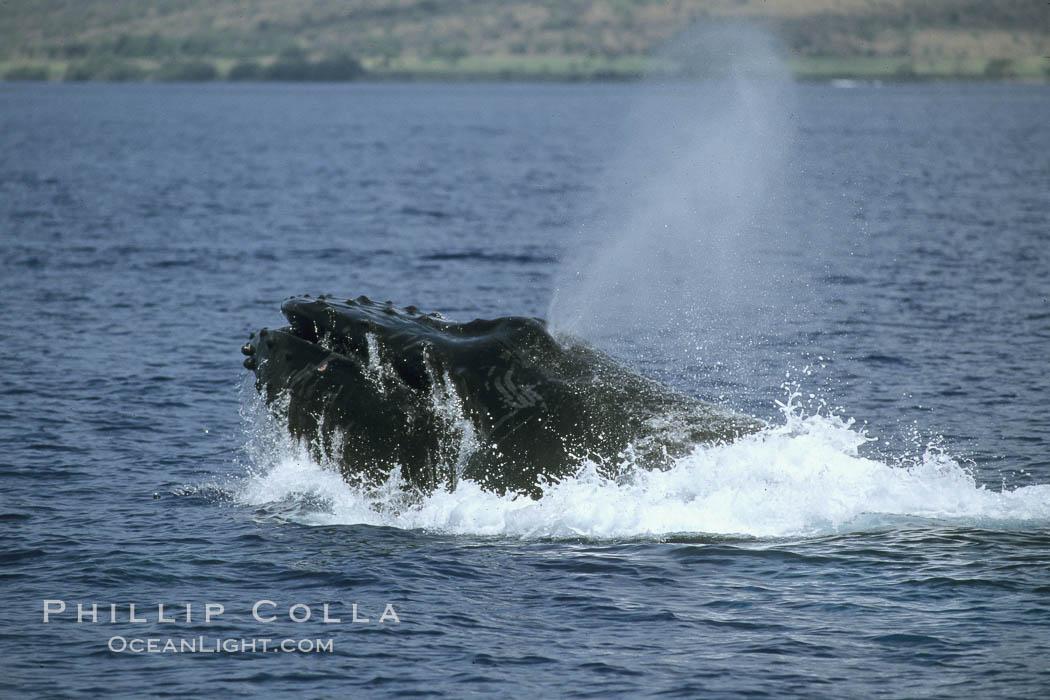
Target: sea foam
column 805, row 476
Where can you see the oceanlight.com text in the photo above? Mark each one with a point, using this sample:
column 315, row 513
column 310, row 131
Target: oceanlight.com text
column 214, row 645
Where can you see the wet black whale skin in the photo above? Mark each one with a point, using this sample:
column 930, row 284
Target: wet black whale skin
column 376, row 387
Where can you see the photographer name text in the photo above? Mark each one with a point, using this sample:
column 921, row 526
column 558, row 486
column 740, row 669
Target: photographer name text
column 262, row 611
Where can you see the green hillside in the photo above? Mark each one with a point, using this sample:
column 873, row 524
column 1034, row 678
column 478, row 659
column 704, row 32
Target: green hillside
column 492, row 39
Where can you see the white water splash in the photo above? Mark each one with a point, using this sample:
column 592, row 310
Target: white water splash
column 802, row 478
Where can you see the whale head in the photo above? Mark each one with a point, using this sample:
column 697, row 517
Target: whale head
column 379, row 389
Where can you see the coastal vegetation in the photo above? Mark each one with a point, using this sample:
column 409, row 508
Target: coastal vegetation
column 326, row 40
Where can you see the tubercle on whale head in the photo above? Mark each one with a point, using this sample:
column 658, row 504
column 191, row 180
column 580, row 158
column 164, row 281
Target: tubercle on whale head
column 383, row 340
column 404, row 339
column 343, row 324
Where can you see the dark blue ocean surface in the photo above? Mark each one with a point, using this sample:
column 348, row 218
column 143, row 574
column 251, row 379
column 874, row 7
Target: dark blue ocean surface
column 887, row 535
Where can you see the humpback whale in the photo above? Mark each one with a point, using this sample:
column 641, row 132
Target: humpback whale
column 379, row 389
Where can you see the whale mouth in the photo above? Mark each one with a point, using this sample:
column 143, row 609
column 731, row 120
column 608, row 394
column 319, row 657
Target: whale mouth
column 336, row 326
column 309, row 320
column 305, row 325
column 380, row 340
column 303, row 328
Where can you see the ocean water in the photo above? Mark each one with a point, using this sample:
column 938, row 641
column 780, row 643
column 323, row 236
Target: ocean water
column 888, row 533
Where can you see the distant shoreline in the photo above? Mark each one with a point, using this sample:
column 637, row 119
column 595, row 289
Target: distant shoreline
column 506, row 69
column 512, row 40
